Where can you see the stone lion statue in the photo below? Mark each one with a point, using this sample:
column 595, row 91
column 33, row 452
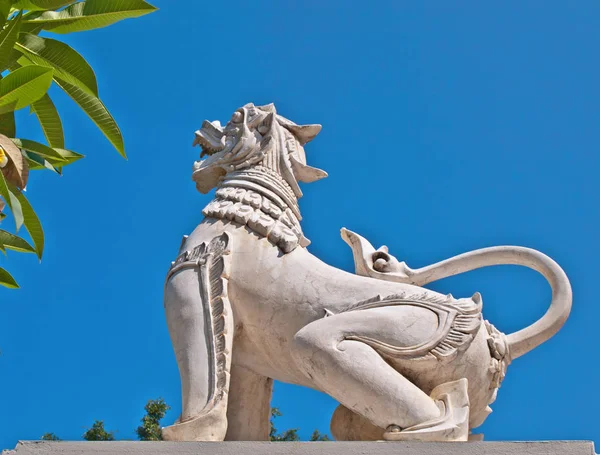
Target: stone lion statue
column 247, row 303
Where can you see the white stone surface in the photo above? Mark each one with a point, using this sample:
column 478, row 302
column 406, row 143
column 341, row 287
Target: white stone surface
column 305, row 448
column 246, row 303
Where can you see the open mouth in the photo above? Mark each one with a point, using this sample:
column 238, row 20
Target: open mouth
column 210, row 137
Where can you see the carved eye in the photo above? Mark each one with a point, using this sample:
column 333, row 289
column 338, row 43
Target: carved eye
column 237, row 117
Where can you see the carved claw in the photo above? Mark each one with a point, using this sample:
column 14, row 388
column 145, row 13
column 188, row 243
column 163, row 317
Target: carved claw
column 453, row 424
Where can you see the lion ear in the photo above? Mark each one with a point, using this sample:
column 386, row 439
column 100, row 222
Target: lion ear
column 304, row 133
column 268, row 108
column 305, row 173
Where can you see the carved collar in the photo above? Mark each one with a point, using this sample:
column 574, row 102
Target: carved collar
column 260, row 199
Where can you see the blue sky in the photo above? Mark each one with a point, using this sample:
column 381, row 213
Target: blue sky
column 446, row 127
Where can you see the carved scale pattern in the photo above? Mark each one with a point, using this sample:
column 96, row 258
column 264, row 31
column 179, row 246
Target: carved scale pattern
column 260, row 199
column 499, row 349
column 459, row 321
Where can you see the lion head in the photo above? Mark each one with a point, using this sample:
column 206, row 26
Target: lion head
column 254, row 136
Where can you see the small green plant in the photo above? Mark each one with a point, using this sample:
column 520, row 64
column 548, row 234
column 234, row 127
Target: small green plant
column 318, row 436
column 49, row 437
column 288, row 435
column 292, row 434
column 150, row 428
column 98, row 433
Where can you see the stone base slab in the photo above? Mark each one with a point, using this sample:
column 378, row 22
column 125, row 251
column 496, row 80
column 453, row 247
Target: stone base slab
column 304, row 448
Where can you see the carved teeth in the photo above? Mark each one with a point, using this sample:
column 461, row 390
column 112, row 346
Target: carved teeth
column 210, row 137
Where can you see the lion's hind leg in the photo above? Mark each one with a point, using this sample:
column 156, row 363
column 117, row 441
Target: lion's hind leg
column 330, row 352
column 347, row 425
column 355, row 374
column 452, row 425
column 249, row 407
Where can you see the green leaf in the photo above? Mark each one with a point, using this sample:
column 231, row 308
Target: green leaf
column 36, row 162
column 7, row 124
column 40, row 149
column 41, row 5
column 13, row 58
column 32, row 29
column 92, row 14
column 49, row 120
column 25, row 85
column 8, row 38
column 7, row 280
column 95, row 110
column 8, row 108
column 68, row 156
column 15, row 243
column 12, row 201
column 32, row 222
column 33, row 164
column 5, row 6
column 66, row 62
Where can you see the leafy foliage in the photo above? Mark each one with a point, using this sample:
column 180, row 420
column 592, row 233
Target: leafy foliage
column 49, row 437
column 292, row 434
column 150, row 428
column 317, row 436
column 29, row 65
column 98, row 433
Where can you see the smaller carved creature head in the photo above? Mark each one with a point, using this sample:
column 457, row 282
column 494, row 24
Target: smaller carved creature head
column 254, row 136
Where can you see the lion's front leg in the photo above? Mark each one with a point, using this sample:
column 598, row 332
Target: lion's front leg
column 200, row 322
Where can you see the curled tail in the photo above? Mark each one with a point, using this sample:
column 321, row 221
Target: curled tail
column 519, row 342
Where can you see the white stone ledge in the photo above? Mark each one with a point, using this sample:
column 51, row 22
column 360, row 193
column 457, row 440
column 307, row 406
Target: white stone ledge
column 306, row 448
